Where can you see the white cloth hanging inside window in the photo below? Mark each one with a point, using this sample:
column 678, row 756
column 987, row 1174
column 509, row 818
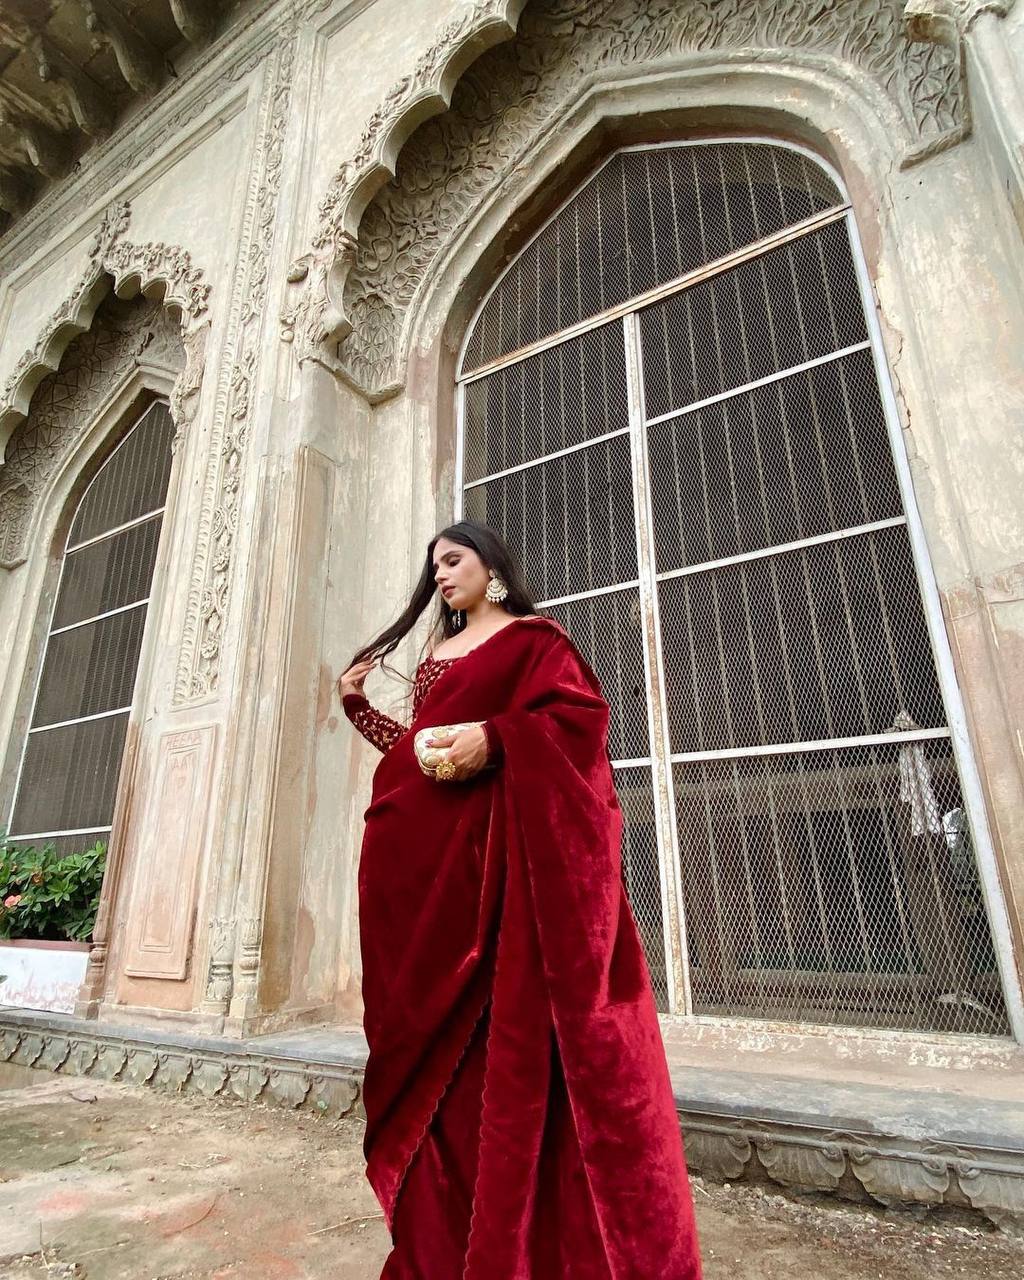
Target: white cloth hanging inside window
column 916, row 781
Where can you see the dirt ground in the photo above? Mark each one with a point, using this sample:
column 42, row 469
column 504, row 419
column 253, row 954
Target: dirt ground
column 113, row 1182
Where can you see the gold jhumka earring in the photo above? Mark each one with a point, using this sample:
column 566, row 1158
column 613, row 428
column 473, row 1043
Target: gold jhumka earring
column 496, row 589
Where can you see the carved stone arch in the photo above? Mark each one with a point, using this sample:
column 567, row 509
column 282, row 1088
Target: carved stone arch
column 424, row 92
column 432, row 284
column 132, row 348
column 167, row 333
column 158, row 271
column 355, row 286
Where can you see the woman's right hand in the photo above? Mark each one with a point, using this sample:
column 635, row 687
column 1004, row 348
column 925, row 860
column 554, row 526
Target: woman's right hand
column 351, row 681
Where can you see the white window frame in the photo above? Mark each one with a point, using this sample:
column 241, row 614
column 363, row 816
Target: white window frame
column 661, row 759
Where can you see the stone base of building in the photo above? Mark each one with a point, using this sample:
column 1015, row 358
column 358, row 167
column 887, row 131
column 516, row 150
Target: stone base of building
column 918, row 1147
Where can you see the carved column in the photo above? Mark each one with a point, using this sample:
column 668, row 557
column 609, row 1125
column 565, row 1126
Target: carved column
column 275, row 743
column 275, row 931
column 257, row 882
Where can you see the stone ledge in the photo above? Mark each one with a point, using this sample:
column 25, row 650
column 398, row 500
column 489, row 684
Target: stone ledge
column 895, row 1147
column 891, row 1172
column 206, row 1065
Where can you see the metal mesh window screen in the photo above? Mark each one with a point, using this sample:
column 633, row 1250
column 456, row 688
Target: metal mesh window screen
column 607, row 630
column 825, row 642
column 795, row 303
column 133, row 480
column 554, row 400
column 570, row 518
column 702, row 489
column 819, row 889
column 645, row 218
column 69, row 777
column 72, row 754
column 90, row 669
column 108, row 574
column 806, row 455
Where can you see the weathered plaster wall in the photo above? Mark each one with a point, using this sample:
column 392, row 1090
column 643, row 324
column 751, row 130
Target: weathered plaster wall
column 946, row 271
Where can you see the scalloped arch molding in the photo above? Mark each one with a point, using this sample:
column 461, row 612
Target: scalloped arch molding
column 114, row 263
column 377, row 234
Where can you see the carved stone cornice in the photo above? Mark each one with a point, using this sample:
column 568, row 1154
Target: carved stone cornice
column 352, row 277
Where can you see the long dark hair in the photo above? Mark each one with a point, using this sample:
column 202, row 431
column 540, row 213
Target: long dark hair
column 493, row 553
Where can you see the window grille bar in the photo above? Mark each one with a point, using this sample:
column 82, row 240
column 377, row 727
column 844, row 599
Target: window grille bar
column 63, row 724
column 111, row 533
column 817, row 744
column 587, row 595
column 53, row 835
column 98, row 617
column 779, row 376
column 896, row 886
column 765, row 553
column 640, row 762
column 806, row 227
column 547, row 457
column 677, row 971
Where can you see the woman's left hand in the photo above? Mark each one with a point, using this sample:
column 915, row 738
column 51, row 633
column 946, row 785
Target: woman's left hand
column 468, row 751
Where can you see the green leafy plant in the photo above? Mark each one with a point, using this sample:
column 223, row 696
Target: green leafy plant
column 47, row 896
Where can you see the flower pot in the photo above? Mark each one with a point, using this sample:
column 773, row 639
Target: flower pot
column 42, row 975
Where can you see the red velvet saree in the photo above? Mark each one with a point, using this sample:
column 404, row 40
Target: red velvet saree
column 520, row 1120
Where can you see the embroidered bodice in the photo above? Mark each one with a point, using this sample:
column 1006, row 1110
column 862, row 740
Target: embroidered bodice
column 382, row 730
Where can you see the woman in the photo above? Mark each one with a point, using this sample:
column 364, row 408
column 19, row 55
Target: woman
column 520, row 1123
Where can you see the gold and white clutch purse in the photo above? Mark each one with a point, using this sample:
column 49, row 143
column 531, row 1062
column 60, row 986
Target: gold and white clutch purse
column 429, row 758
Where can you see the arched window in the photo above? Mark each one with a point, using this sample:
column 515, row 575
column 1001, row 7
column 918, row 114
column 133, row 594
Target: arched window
column 673, row 406
column 68, row 775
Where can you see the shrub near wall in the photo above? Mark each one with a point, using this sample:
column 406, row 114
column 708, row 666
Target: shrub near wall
column 48, row 897
column 48, row 907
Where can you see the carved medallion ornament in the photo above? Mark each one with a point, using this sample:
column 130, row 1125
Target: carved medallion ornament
column 63, row 399
column 355, row 287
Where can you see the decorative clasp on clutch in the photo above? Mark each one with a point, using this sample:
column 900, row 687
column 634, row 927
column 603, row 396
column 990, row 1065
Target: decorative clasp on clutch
column 428, row 758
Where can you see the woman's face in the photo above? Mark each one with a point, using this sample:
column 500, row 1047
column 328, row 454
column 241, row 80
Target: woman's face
column 460, row 574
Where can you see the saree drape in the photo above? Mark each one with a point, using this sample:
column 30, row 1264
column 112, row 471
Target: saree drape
column 520, row 1123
